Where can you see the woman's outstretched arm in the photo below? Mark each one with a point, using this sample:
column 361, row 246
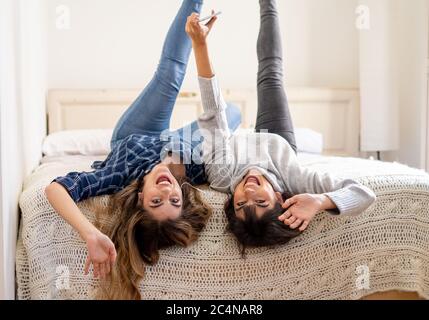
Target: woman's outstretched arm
column 101, row 251
column 198, row 33
column 213, row 123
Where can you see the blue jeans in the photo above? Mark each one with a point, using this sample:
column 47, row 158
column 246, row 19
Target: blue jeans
column 150, row 114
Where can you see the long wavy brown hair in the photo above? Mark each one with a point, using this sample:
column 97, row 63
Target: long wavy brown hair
column 138, row 237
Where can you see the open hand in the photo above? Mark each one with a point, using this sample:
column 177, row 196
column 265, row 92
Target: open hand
column 101, row 254
column 197, row 31
column 301, row 209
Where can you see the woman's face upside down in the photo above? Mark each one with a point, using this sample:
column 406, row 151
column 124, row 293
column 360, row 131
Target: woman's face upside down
column 255, row 190
column 162, row 195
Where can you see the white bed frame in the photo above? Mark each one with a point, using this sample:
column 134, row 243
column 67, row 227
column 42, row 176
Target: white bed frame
column 332, row 112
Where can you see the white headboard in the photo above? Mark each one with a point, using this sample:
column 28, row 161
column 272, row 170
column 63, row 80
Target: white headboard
column 332, row 112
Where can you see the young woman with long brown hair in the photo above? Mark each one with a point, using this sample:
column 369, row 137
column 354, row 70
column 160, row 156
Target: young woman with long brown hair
column 149, row 172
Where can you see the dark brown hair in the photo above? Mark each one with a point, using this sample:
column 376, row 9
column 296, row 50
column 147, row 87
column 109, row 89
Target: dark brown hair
column 138, row 237
column 252, row 232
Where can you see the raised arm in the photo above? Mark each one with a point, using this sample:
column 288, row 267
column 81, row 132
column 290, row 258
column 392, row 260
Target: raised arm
column 213, row 123
column 198, row 34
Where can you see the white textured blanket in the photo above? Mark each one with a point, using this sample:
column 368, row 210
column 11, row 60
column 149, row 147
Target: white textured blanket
column 386, row 248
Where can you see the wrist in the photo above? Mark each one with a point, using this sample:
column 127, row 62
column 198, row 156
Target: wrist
column 89, row 232
column 325, row 203
column 199, row 44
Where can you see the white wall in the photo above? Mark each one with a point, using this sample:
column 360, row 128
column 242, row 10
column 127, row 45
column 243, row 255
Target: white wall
column 321, row 42
column 379, row 77
column 33, row 84
column 427, row 103
column 116, row 43
column 412, row 31
column 411, row 34
column 22, row 118
column 11, row 149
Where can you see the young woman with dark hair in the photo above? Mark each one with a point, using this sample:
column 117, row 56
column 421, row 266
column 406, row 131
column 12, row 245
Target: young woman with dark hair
column 273, row 198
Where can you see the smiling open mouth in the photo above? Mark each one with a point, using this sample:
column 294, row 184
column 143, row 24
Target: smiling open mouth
column 163, row 180
column 252, row 180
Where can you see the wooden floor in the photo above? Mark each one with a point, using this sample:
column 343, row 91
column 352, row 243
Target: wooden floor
column 394, row 295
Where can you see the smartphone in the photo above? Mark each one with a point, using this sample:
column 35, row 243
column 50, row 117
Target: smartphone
column 210, row 16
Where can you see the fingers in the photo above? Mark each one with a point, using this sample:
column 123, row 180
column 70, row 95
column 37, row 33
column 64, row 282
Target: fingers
column 87, row 265
column 194, row 16
column 192, row 21
column 211, row 23
column 285, row 216
column 96, row 267
column 112, row 254
column 102, row 271
column 107, row 267
column 290, row 220
column 289, row 202
column 192, row 26
column 304, row 226
column 296, row 224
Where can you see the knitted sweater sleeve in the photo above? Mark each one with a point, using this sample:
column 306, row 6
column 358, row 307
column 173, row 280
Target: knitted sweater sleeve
column 350, row 197
column 217, row 154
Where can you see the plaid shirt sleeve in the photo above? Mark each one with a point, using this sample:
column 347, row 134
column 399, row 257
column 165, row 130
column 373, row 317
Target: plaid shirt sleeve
column 84, row 185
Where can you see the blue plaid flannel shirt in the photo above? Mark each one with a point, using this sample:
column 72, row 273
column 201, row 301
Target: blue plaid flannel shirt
column 132, row 158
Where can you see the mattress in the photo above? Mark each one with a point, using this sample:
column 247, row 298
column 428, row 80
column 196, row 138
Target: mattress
column 385, row 248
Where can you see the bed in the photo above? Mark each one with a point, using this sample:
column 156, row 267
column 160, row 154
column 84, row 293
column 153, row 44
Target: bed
column 384, row 249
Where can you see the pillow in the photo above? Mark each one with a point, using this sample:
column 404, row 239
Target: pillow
column 309, row 141
column 92, row 142
column 95, row 142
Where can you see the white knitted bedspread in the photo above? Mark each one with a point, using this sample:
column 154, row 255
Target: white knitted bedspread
column 386, row 248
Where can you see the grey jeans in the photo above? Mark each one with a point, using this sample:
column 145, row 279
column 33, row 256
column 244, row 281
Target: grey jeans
column 273, row 108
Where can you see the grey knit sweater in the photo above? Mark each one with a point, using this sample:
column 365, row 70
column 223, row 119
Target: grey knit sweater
column 228, row 158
